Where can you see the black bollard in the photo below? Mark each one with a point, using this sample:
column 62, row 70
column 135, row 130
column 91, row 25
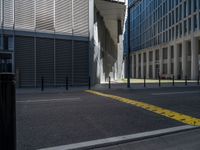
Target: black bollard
column 109, row 84
column 7, row 112
column 173, row 80
column 67, row 83
column 185, row 80
column 159, row 80
column 198, row 80
column 144, row 81
column 42, row 83
column 89, row 83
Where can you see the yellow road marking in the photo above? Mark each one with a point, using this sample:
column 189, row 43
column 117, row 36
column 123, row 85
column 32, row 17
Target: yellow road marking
column 158, row 110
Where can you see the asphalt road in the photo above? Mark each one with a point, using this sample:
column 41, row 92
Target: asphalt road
column 52, row 119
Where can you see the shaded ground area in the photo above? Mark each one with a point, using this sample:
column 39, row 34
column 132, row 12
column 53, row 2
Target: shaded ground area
column 51, row 119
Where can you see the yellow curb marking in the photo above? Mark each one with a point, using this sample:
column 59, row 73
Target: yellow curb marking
column 158, row 110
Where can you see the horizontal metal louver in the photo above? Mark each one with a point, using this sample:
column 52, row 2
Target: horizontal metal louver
column 24, row 60
column 63, row 16
column 81, row 63
column 63, row 61
column 81, row 17
column 45, row 15
column 8, row 13
column 45, row 61
column 24, row 14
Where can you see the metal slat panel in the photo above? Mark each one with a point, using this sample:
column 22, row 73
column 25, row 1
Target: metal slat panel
column 24, row 14
column 63, row 61
column 81, row 63
column 24, row 60
column 45, row 15
column 45, row 61
column 8, row 13
column 81, row 17
column 63, row 16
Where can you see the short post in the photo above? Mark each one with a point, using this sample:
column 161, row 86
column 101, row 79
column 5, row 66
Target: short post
column 89, row 83
column 7, row 112
column 185, row 80
column 109, row 84
column 67, row 83
column 42, row 83
column 198, row 80
column 159, row 80
column 173, row 80
column 144, row 81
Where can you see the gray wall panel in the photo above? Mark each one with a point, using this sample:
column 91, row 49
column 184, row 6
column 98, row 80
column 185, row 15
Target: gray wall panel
column 63, row 61
column 24, row 60
column 81, row 62
column 45, row 60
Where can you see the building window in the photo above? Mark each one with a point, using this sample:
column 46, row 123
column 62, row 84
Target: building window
column 8, row 42
column 1, row 42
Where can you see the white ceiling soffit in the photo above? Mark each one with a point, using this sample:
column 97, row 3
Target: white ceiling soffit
column 111, row 11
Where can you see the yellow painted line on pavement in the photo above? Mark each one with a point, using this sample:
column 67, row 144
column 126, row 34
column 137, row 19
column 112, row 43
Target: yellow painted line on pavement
column 158, row 110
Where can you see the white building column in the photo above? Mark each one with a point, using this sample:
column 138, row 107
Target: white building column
column 154, row 64
column 184, row 59
column 194, row 58
column 169, row 61
column 137, row 65
column 161, row 61
column 176, row 61
column 142, row 65
column 147, row 64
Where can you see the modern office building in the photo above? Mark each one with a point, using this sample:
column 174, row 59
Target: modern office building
column 165, row 38
column 56, row 39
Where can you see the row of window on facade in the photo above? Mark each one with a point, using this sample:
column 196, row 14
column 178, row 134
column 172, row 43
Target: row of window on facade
column 6, row 42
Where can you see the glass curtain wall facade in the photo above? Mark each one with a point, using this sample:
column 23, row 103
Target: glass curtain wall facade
column 171, row 27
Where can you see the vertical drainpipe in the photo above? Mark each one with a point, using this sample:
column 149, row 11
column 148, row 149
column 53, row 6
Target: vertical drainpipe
column 128, row 59
column 72, row 78
column 13, row 54
column 54, row 44
column 35, row 53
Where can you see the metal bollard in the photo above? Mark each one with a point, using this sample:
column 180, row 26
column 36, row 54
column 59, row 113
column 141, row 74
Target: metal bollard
column 67, row 83
column 109, row 84
column 144, row 81
column 173, row 80
column 185, row 80
column 159, row 81
column 198, row 80
column 42, row 83
column 89, row 83
column 7, row 112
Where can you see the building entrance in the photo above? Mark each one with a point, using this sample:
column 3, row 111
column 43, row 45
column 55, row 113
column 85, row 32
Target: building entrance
column 5, row 62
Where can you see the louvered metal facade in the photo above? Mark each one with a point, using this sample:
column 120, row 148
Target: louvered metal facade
column 51, row 40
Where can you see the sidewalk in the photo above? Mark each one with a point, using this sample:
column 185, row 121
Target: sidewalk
column 188, row 140
column 105, row 86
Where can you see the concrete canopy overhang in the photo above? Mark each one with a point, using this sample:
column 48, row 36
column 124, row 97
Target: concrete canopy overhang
column 112, row 11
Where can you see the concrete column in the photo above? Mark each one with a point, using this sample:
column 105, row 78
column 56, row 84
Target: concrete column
column 184, row 58
column 142, row 65
column 161, row 61
column 176, row 59
column 169, row 61
column 137, row 65
column 154, row 64
column 194, row 58
column 147, row 64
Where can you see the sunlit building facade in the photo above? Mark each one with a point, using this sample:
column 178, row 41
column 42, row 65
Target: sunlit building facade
column 165, row 38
